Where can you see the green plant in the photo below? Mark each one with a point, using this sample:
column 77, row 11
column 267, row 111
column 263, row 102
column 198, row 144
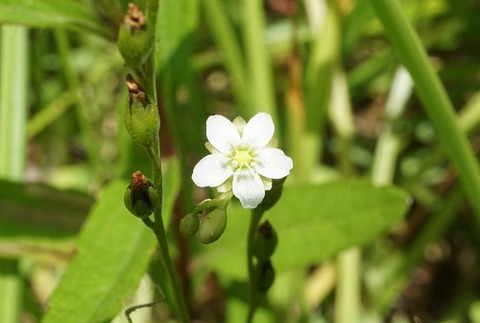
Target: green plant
column 301, row 214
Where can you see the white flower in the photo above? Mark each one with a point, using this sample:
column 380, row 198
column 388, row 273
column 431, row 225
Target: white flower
column 241, row 158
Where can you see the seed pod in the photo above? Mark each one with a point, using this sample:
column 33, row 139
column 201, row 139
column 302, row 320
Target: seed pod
column 265, row 241
column 135, row 41
column 141, row 118
column 189, row 224
column 273, row 195
column 141, row 197
column 264, row 276
column 212, row 225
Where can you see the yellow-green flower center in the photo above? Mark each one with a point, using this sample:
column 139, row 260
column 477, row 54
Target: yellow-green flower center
column 242, row 158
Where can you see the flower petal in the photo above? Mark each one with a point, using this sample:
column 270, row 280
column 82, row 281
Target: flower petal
column 259, row 130
column 248, row 188
column 211, row 170
column 273, row 163
column 221, row 133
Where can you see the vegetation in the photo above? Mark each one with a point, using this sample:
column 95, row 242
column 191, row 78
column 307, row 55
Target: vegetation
column 375, row 101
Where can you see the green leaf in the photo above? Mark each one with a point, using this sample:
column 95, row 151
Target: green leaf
column 313, row 222
column 38, row 220
column 176, row 22
column 113, row 250
column 51, row 13
column 321, row 221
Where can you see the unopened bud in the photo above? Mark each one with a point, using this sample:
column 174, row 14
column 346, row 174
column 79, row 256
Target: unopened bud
column 135, row 41
column 141, row 119
column 189, row 224
column 273, row 195
column 264, row 276
column 265, row 241
column 141, row 197
column 212, row 225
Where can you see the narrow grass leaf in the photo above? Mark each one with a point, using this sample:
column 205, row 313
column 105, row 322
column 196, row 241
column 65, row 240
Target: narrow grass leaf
column 51, row 13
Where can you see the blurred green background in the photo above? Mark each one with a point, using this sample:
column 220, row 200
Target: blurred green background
column 333, row 75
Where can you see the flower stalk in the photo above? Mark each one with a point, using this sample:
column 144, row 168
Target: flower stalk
column 243, row 162
column 143, row 123
column 253, row 295
column 158, row 229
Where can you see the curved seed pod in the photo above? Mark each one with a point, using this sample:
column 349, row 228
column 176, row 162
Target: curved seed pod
column 141, row 118
column 273, row 195
column 141, row 197
column 135, row 41
column 265, row 241
column 264, row 276
column 189, row 224
column 212, row 225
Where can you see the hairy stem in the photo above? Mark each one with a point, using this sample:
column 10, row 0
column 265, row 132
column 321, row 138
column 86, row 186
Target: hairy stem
column 159, row 230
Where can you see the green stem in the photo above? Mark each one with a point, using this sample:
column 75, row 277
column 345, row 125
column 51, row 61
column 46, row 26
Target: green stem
column 260, row 74
column 50, row 113
column 340, row 111
column 389, row 143
column 159, row 230
column 467, row 119
column 154, row 153
column 347, row 299
column 13, row 115
column 214, row 203
column 13, row 101
column 253, row 296
column 11, row 290
column 157, row 171
column 320, row 68
column 81, row 111
column 432, row 94
column 224, row 35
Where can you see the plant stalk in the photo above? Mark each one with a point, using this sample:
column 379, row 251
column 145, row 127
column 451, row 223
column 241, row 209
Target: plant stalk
column 432, row 94
column 253, row 296
column 159, row 230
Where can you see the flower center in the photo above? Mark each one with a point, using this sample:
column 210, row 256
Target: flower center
column 242, row 158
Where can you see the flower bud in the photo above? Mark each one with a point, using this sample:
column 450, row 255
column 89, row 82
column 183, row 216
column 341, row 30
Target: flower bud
column 135, row 41
column 265, row 242
column 141, row 119
column 189, row 224
column 141, row 197
column 212, row 225
column 273, row 195
column 264, row 276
